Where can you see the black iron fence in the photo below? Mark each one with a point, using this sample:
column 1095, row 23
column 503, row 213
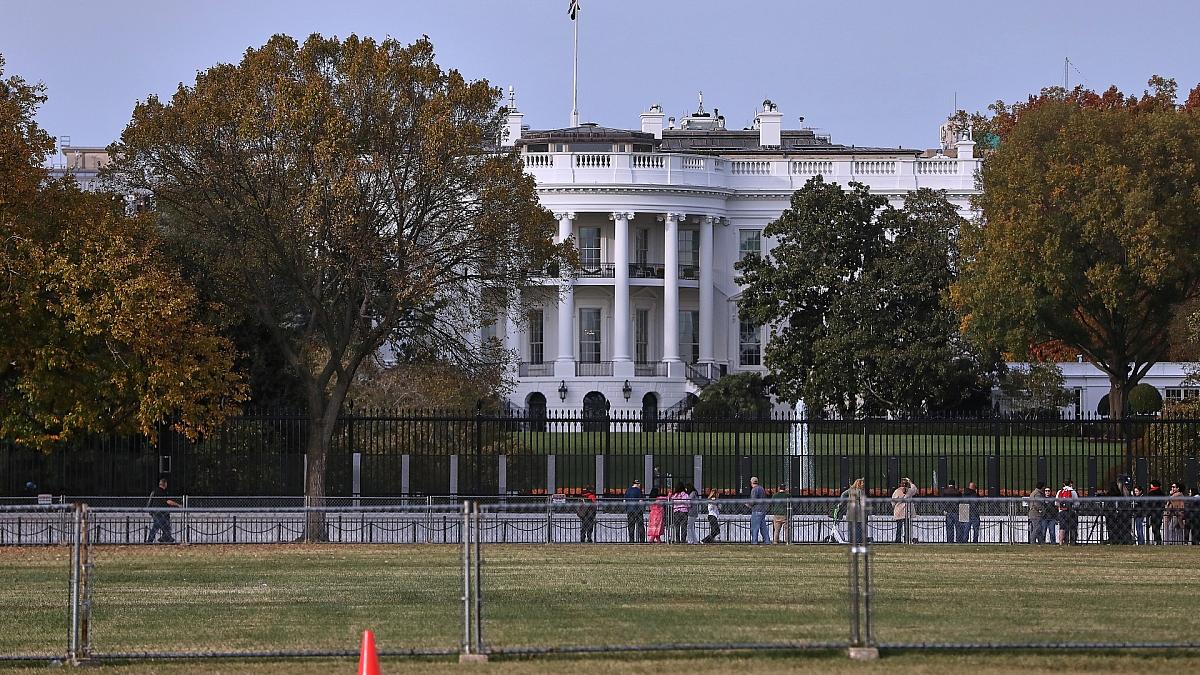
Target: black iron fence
column 388, row 454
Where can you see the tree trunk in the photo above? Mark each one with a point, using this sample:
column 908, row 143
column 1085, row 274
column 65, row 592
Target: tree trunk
column 314, row 483
column 1118, row 391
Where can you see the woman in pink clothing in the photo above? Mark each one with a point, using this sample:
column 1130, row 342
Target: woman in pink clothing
column 654, row 530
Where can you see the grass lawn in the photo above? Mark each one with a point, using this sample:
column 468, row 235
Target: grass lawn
column 321, row 597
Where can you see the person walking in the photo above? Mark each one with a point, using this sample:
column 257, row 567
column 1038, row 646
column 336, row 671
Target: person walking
column 633, row 513
column 1191, row 515
column 779, row 515
column 1068, row 518
column 680, row 501
column 1154, row 511
column 1173, row 523
column 902, row 510
column 759, row 532
column 855, row 513
column 1037, row 511
column 950, row 493
column 1139, row 516
column 658, row 517
column 160, row 517
column 714, row 513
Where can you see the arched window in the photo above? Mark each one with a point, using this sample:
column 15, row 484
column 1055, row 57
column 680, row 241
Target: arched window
column 595, row 411
column 650, row 412
column 535, row 403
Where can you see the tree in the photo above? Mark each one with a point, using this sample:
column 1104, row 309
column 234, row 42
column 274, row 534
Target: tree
column 1037, row 389
column 741, row 395
column 355, row 193
column 1144, row 399
column 99, row 334
column 855, row 291
column 1091, row 207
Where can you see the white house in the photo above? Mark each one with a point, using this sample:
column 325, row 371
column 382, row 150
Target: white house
column 660, row 215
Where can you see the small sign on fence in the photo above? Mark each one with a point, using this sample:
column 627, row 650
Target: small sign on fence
column 45, row 499
column 558, row 498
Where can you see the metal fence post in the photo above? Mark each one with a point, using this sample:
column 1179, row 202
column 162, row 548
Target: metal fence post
column 76, row 541
column 183, row 536
column 502, row 474
column 465, row 647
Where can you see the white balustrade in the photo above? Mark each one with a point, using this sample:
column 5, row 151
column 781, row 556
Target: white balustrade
column 751, row 167
column 803, row 167
column 875, row 167
column 538, row 160
column 593, row 160
column 649, row 161
column 693, row 163
column 940, row 167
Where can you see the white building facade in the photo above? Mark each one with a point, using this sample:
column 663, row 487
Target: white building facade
column 660, row 216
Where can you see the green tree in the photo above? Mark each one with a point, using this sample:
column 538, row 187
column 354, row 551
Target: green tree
column 98, row 334
column 854, row 289
column 354, row 193
column 1091, row 207
column 741, row 395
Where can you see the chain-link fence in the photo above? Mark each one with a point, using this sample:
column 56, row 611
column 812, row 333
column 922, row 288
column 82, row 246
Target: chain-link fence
column 509, row 577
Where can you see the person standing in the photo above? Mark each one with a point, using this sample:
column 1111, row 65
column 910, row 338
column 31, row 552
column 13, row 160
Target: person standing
column 680, row 501
column 160, row 517
column 1037, row 511
column 658, row 517
column 633, row 513
column 587, row 516
column 969, row 531
column 1154, row 511
column 714, row 513
column 949, row 495
column 902, row 510
column 1173, row 523
column 1139, row 516
column 779, row 515
column 1191, row 516
column 759, row 532
column 1068, row 518
column 1050, row 517
column 856, row 516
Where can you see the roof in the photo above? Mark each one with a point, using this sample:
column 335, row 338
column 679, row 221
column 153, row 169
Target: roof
column 586, row 133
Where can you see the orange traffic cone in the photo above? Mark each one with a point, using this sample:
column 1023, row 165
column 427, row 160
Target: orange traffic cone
column 368, row 661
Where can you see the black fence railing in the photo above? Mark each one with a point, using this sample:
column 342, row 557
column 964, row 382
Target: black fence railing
column 541, row 452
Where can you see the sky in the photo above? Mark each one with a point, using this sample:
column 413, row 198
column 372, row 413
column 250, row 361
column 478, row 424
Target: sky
column 868, row 72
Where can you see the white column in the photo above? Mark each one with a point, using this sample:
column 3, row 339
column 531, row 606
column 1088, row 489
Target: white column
column 671, row 293
column 564, row 365
column 512, row 338
column 706, row 289
column 621, row 346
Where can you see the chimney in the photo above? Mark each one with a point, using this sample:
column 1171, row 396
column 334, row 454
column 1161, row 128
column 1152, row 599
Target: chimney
column 652, row 121
column 770, row 125
column 512, row 127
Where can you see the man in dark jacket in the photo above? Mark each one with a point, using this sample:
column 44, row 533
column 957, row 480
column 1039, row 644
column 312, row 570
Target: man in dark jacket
column 950, row 510
column 160, row 523
column 969, row 531
column 633, row 511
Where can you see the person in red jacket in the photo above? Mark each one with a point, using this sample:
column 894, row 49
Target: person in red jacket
column 587, row 516
column 1068, row 519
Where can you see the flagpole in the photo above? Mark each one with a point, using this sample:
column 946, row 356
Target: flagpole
column 575, row 74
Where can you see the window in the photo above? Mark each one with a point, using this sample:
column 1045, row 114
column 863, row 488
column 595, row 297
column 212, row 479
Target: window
column 641, row 246
column 589, row 248
column 537, row 337
column 489, row 331
column 689, row 336
column 1181, row 393
column 689, row 248
column 749, row 344
column 589, row 335
column 749, row 244
column 641, row 335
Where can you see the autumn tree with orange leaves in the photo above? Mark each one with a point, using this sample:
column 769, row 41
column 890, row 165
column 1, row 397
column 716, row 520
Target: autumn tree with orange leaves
column 97, row 333
column 1090, row 233
column 352, row 195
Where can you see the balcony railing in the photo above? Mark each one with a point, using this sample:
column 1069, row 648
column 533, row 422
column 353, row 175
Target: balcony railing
column 689, row 272
column 526, row 369
column 598, row 270
column 650, row 369
column 593, row 369
column 646, row 270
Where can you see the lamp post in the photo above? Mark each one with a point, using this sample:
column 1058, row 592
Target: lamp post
column 627, row 390
column 562, row 390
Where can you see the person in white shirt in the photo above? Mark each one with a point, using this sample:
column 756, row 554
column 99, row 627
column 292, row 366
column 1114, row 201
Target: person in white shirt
column 714, row 510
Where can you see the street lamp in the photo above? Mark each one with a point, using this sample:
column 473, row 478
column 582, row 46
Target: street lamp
column 562, row 390
column 627, row 390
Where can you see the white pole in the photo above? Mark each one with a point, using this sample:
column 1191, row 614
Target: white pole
column 575, row 75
